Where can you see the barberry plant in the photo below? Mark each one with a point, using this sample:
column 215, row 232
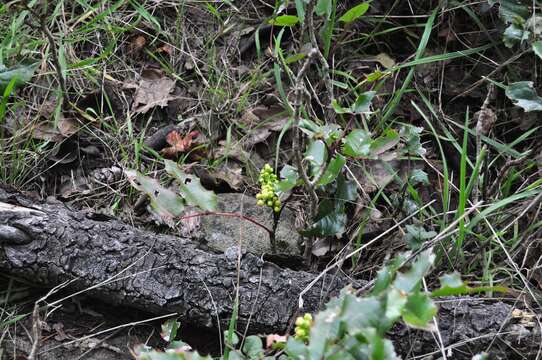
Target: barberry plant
column 268, row 195
column 303, row 327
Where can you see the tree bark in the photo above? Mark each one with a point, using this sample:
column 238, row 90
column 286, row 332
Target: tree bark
column 48, row 243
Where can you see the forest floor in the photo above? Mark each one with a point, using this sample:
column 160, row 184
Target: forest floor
column 97, row 95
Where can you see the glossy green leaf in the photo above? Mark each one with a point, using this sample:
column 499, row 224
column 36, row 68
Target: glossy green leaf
column 385, row 142
column 419, row 310
column 357, row 143
column 316, row 153
column 166, row 204
column 289, row 177
column 253, row 347
column 511, row 10
column 296, row 349
column 418, row 176
column 324, row 7
column 284, row 20
column 416, row 236
column 411, row 136
column 191, row 189
column 333, row 169
column 410, row 280
column 515, row 33
column 363, row 103
column 451, row 284
column 395, row 302
column 524, row 95
column 329, row 220
column 354, row 13
column 537, row 48
column 19, row 75
column 347, row 190
column 309, row 127
column 331, row 133
column 338, row 108
column 169, row 330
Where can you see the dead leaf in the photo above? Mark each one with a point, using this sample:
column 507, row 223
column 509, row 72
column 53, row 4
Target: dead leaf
column 189, row 225
column 231, row 173
column 46, row 130
column 179, row 144
column 324, row 245
column 166, row 49
column 385, row 60
column 261, row 121
column 153, row 90
column 232, row 150
column 274, row 338
column 136, row 45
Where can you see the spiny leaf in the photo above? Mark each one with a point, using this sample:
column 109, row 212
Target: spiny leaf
column 164, row 202
column 357, row 143
column 289, row 177
column 419, row 310
column 333, row 169
column 191, row 189
column 19, row 74
column 523, row 94
column 386, row 141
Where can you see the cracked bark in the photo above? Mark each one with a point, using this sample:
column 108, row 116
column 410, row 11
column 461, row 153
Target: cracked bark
column 47, row 243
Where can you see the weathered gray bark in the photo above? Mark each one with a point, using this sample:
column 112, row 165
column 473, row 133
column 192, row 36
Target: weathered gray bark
column 48, row 243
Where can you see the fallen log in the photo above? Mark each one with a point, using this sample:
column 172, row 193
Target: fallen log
column 48, row 243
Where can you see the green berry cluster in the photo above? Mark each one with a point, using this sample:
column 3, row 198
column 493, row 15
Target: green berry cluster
column 303, row 327
column 267, row 196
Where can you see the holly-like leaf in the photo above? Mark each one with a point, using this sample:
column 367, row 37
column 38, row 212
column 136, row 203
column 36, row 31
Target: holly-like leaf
column 284, row 20
column 395, row 302
column 329, row 221
column 289, row 177
column 316, row 153
column 324, row 7
column 537, row 48
column 169, row 330
column 357, row 143
column 191, row 189
column 410, row 280
column 354, row 13
column 18, row 74
column 333, row 169
column 253, row 347
column 386, row 141
column 419, row 310
column 523, row 94
column 166, row 204
column 411, row 136
column 416, row 236
column 418, row 176
column 451, row 284
column 363, row 103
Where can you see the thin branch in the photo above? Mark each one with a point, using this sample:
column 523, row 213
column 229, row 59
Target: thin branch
column 228, row 214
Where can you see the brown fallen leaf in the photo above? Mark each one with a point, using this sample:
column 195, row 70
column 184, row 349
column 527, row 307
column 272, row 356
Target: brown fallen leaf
column 179, row 144
column 262, row 120
column 273, row 339
column 136, row 45
column 153, row 90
